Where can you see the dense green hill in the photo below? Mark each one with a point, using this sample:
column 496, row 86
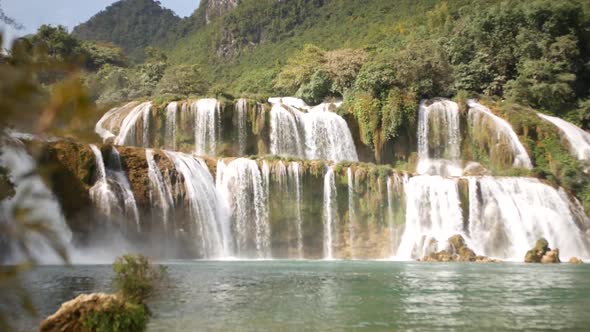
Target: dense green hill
column 132, row 25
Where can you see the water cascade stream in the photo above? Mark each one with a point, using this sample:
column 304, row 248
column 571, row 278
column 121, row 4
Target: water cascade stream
column 204, row 205
column 330, row 215
column 439, row 139
column 310, row 133
column 244, row 187
column 578, row 139
column 206, row 113
column 502, row 137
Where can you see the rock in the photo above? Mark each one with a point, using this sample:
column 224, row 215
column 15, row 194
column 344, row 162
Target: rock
column 542, row 245
column 551, row 257
column 532, row 257
column 68, row 317
column 475, row 169
column 575, row 260
column 541, row 253
column 457, row 241
column 217, row 8
column 459, row 252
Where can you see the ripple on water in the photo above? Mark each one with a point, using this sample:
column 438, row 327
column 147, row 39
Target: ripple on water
column 368, row 296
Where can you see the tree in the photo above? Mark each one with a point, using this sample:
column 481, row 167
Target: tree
column 183, row 79
column 299, row 69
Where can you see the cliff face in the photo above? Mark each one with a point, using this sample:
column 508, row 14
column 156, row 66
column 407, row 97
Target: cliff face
column 215, row 8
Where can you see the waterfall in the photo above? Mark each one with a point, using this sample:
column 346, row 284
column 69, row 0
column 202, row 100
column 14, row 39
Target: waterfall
column 116, row 174
column 479, row 116
column 204, row 205
column 433, row 214
column 170, row 126
column 330, row 217
column 100, row 193
column 351, row 211
column 295, row 176
column 395, row 184
column 242, row 112
column 161, row 191
column 439, row 139
column 508, row 215
column 578, row 139
column 315, row 134
column 128, row 131
column 245, row 189
column 32, row 203
column 328, row 137
column 285, row 135
column 206, row 113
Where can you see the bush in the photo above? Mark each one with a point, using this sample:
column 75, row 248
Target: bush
column 135, row 278
column 314, row 91
column 118, row 316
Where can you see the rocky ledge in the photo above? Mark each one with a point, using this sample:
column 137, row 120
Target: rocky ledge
column 458, row 251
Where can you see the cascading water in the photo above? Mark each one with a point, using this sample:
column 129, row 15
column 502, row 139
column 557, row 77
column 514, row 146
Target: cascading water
column 242, row 112
column 294, row 174
column 507, row 216
column 245, row 188
column 439, row 139
column 206, row 113
column 170, row 126
column 32, row 202
column 161, row 191
column 315, row 134
column 285, row 135
column 204, row 205
column 100, row 193
column 395, row 187
column 578, row 139
column 351, row 211
column 116, row 175
column 481, row 118
column 330, row 217
column 433, row 214
column 128, row 134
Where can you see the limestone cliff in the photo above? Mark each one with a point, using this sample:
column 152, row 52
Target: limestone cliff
column 215, row 8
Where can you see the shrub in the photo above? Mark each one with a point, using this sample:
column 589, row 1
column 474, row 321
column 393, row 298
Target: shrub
column 135, row 278
column 118, row 316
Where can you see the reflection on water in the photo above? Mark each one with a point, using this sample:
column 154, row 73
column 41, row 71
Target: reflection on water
column 298, row 295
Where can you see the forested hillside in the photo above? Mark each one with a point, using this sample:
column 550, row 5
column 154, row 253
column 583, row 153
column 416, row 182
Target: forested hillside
column 132, row 25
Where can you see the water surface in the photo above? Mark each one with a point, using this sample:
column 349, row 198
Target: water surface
column 357, row 295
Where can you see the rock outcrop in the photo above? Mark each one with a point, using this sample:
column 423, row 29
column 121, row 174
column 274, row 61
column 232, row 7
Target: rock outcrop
column 216, row 8
column 458, row 251
column 575, row 260
column 70, row 316
column 541, row 253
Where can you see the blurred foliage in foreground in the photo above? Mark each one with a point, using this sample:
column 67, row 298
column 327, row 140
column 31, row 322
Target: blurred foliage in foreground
column 41, row 92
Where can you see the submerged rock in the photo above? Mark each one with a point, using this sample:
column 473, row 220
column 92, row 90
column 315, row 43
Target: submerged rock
column 460, row 252
column 541, row 253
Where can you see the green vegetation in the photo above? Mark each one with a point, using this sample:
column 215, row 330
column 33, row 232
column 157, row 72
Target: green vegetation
column 118, row 316
column 136, row 278
column 132, row 25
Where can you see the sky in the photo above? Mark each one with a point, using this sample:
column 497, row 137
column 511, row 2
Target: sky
column 34, row 13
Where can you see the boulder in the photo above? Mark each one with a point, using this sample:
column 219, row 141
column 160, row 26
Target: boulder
column 575, row 260
column 551, row 257
column 70, row 315
column 541, row 253
column 459, row 252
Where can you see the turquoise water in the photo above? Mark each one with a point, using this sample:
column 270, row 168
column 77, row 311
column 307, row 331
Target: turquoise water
column 335, row 296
